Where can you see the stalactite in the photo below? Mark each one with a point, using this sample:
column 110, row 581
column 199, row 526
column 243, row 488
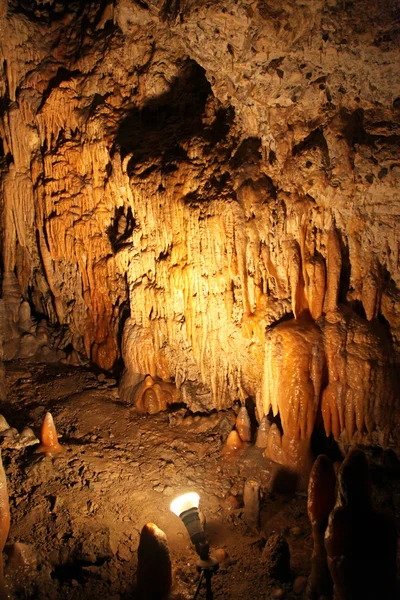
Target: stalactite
column 333, row 268
column 361, row 378
column 294, row 363
column 4, row 525
column 315, row 286
column 371, row 286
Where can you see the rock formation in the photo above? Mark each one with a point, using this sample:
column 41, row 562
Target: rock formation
column 360, row 542
column 207, row 191
column 154, row 572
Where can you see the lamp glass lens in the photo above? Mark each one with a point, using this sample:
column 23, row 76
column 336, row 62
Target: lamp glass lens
column 185, row 502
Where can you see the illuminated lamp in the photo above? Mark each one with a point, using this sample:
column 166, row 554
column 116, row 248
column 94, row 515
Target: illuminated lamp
column 187, row 508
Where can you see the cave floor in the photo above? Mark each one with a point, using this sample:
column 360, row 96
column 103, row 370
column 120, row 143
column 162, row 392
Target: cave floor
column 77, row 517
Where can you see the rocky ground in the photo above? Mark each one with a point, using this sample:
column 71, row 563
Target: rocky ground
column 76, row 518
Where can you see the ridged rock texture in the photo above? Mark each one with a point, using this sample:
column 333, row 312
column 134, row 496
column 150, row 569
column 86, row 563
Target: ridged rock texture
column 207, row 190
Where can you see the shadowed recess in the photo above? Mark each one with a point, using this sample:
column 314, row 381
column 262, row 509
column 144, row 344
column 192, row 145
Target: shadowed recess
column 156, row 129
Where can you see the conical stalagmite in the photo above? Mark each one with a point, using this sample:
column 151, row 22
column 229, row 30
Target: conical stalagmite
column 50, row 444
column 251, row 500
column 321, row 500
column 4, row 525
column 233, row 443
column 262, row 433
column 243, row 425
column 154, row 573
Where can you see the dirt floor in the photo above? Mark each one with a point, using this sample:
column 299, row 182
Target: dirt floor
column 76, row 518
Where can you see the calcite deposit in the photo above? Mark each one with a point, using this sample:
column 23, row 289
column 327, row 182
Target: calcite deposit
column 204, row 193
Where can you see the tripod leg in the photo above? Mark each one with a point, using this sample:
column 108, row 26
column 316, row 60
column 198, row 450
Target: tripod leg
column 209, row 593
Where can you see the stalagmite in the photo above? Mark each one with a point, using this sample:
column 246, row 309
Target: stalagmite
column 273, row 449
column 361, row 543
column 4, row 525
column 276, row 557
column 243, row 425
column 153, row 396
column 262, row 433
column 233, row 443
column 49, row 439
column 321, row 500
column 3, row 424
column 154, row 573
column 251, row 501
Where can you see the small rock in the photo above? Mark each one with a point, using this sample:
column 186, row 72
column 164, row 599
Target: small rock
column 222, row 557
column 231, row 503
column 299, row 584
column 159, row 488
column 168, row 491
column 278, row 593
column 124, row 553
column 296, row 531
column 101, row 377
column 28, row 438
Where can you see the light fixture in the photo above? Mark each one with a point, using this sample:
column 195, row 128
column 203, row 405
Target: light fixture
column 187, row 508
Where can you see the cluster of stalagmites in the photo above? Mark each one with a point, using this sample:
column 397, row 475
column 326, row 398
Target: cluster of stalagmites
column 355, row 545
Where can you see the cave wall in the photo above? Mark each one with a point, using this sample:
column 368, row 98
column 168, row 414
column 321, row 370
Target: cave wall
column 196, row 184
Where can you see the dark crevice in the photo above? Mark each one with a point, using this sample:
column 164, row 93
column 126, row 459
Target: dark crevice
column 156, row 129
column 121, row 228
column 170, row 10
column 313, row 141
column 248, row 153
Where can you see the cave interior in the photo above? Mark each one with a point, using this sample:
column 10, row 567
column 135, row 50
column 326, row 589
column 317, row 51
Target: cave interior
column 200, row 292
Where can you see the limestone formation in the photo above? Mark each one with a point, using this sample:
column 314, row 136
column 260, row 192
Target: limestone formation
column 321, row 500
column 50, row 444
column 153, row 396
column 243, row 425
column 154, row 573
column 206, row 192
column 4, row 525
column 262, row 433
column 233, row 443
column 361, row 543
